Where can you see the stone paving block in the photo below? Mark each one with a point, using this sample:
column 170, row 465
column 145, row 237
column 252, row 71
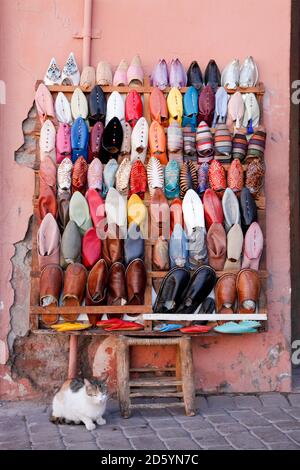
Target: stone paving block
column 43, row 436
column 9, row 436
column 164, row 423
column 247, row 401
column 245, row 441
column 249, row 418
column 269, row 434
column 155, row 414
column 16, row 445
column 114, row 444
column 170, row 433
column 276, row 415
column 283, row 446
column 294, row 399
column 294, row 412
column 212, row 441
column 294, row 435
column 83, row 446
column 147, row 443
column 56, row 445
column 132, row 421
column 288, row 425
column 196, row 424
column 204, row 434
column 138, row 431
column 181, row 443
column 218, row 447
column 273, row 399
column 221, row 419
column 230, row 428
column 221, row 402
column 201, row 403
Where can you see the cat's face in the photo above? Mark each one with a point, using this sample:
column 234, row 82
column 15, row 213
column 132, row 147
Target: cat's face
column 97, row 391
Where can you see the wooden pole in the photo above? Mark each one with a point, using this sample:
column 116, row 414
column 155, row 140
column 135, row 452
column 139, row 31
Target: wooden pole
column 187, row 372
column 72, row 370
column 87, row 33
column 123, row 376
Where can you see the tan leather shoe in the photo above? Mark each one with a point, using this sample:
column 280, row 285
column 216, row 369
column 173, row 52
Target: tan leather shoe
column 160, row 214
column 117, row 285
column 96, row 287
column 248, row 290
column 74, row 287
column 216, row 246
column 136, row 281
column 225, row 293
column 51, row 281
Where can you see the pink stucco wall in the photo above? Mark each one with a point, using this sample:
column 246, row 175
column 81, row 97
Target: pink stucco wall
column 32, row 31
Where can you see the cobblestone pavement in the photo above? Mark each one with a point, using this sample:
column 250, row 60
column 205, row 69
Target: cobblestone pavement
column 265, row 421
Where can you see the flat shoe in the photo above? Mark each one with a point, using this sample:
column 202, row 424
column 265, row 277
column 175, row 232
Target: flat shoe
column 225, row 293
column 170, row 291
column 51, row 281
column 234, row 248
column 216, row 246
column 200, row 285
column 248, row 290
column 136, row 281
column 74, row 288
column 253, row 247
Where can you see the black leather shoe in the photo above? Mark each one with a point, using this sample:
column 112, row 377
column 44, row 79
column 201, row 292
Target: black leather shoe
column 248, row 209
column 134, row 245
column 201, row 284
column 194, row 76
column 170, row 291
column 208, row 306
column 212, row 75
column 111, row 140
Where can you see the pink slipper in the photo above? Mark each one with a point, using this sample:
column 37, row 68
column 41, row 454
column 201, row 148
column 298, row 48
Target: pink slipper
column 253, row 247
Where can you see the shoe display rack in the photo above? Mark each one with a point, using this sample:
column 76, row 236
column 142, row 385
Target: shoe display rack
column 36, row 311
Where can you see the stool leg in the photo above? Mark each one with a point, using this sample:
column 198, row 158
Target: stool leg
column 72, row 370
column 188, row 386
column 123, row 376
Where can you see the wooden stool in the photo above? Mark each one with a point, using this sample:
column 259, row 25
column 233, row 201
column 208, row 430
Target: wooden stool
column 179, row 386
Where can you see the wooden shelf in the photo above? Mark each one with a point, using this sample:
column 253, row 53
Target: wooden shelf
column 205, row 317
column 258, row 90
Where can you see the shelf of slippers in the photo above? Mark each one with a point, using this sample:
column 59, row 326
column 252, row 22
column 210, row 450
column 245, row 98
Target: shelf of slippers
column 36, row 312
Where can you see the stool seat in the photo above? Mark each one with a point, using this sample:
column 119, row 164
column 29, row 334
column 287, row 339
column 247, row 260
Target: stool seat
column 179, row 386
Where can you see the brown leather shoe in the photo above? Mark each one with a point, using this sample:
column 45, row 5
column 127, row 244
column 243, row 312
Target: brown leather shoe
column 96, row 287
column 51, row 281
column 248, row 290
column 116, row 285
column 136, row 281
column 74, row 287
column 225, row 293
column 216, row 246
column 160, row 214
column 113, row 249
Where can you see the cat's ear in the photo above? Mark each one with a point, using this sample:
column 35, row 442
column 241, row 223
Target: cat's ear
column 87, row 383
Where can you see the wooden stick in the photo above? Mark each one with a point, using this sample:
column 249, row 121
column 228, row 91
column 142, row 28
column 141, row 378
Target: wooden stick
column 72, row 370
column 123, row 376
column 187, row 373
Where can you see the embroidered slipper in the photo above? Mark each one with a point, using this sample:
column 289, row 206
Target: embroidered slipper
column 63, row 142
column 139, row 140
column 79, row 104
column 217, row 177
column 202, row 178
column 47, row 141
column 115, row 108
column 160, row 75
column 138, row 179
column 175, row 106
column 79, row 175
column 253, row 247
column 155, row 175
column 44, row 103
column 120, row 76
column 63, row 109
column 95, row 174
column 235, row 176
column 188, row 178
column 123, row 176
column 95, row 141
column 70, row 73
column 64, row 175
column 126, row 143
column 255, row 176
column 88, row 78
column 172, row 172
column 160, row 255
column 53, row 74
column 133, row 107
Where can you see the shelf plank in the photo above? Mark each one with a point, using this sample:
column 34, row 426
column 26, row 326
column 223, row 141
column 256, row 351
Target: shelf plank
column 117, row 309
column 204, row 316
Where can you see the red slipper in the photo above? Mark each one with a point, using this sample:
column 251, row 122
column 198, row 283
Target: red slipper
column 196, row 329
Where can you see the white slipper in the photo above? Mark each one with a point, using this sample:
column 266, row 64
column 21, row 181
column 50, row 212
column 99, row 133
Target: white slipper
column 248, row 73
column 115, row 107
column 231, row 74
column 79, row 104
column 252, row 111
column 155, row 174
column 70, row 73
column 139, row 140
column 104, row 73
column 231, row 209
column 63, row 109
column 116, row 210
column 53, row 74
column 193, row 211
column 47, row 141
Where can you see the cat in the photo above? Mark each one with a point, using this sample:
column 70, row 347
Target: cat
column 80, row 400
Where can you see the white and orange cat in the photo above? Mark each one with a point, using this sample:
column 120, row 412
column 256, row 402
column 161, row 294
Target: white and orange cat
column 80, row 400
